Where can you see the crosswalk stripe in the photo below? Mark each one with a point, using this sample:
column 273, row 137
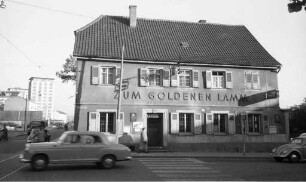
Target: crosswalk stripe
column 183, row 169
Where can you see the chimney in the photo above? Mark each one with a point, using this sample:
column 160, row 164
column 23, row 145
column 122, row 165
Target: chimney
column 133, row 17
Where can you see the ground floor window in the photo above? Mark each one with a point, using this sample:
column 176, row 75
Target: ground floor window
column 107, row 121
column 254, row 122
column 220, row 121
column 185, row 120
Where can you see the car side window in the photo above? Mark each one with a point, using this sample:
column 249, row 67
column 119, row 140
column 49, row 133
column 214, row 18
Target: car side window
column 72, row 139
column 87, row 139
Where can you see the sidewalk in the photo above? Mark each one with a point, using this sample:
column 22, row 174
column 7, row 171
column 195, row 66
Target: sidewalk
column 202, row 154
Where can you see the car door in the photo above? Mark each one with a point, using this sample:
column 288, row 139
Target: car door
column 91, row 147
column 67, row 151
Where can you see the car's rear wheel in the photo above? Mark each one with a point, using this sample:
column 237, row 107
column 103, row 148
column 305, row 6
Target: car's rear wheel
column 108, row 162
column 39, row 162
column 294, row 157
column 279, row 159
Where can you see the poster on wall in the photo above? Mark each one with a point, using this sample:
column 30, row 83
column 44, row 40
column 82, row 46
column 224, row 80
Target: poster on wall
column 272, row 129
column 137, row 125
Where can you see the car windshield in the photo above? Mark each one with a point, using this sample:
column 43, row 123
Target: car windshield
column 297, row 141
column 62, row 137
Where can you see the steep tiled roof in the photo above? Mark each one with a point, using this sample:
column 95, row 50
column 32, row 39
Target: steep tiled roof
column 175, row 41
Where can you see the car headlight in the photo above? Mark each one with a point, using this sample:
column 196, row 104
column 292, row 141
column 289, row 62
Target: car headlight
column 27, row 146
column 274, row 150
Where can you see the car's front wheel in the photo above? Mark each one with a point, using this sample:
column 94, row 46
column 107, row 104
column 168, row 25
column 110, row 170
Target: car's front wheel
column 294, row 157
column 108, row 162
column 39, row 162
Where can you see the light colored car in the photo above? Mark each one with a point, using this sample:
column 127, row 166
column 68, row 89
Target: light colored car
column 76, row 147
column 295, row 151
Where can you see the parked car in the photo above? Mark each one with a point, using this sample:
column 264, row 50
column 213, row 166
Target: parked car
column 295, row 151
column 76, row 147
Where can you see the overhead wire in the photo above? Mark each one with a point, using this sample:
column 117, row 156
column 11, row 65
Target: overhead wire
column 40, row 7
column 50, row 9
column 20, row 51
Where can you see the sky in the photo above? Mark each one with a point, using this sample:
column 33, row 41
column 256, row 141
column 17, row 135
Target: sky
column 36, row 36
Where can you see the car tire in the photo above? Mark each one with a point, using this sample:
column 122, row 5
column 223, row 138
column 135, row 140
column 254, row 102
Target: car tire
column 108, row 162
column 39, row 162
column 294, row 157
column 278, row 159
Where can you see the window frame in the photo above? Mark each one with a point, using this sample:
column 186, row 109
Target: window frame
column 252, row 122
column 250, row 83
column 185, row 124
column 220, row 79
column 182, row 76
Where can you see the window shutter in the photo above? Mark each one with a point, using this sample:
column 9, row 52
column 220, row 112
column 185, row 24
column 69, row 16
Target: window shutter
column 231, row 124
column 166, row 78
column 174, row 80
column 209, row 123
column 98, row 122
column 195, row 78
column 143, row 77
column 92, row 121
column 174, row 123
column 265, row 124
column 244, row 123
column 255, row 80
column 197, row 124
column 94, row 75
column 208, row 79
column 229, row 79
column 117, row 76
column 248, row 80
column 261, row 124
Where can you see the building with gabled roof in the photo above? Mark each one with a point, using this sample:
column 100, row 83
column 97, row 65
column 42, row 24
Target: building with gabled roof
column 191, row 84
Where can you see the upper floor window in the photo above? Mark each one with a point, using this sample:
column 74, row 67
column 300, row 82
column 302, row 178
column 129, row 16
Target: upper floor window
column 252, row 80
column 218, row 79
column 104, row 75
column 185, row 78
column 155, row 76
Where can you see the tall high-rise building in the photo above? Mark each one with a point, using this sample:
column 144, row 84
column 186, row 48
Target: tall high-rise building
column 41, row 92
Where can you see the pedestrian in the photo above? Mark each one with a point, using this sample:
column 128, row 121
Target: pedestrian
column 4, row 131
column 143, row 144
column 127, row 140
column 66, row 127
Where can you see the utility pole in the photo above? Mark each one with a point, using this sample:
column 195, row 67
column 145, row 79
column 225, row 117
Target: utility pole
column 119, row 96
column 25, row 114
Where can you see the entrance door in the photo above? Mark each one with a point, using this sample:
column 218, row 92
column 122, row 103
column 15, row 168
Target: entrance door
column 155, row 129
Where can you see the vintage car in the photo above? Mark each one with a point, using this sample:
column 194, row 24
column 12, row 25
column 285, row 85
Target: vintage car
column 295, row 151
column 76, row 147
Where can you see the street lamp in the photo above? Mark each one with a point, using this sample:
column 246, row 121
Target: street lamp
column 2, row 5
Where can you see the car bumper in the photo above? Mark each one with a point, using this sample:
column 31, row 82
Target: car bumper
column 22, row 159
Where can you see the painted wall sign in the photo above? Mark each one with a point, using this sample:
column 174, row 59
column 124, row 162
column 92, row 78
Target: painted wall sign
column 152, row 115
column 183, row 96
column 138, row 124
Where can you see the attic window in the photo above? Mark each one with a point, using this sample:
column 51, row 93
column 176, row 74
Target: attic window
column 184, row 44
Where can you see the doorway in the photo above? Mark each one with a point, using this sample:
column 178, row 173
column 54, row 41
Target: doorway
column 155, row 129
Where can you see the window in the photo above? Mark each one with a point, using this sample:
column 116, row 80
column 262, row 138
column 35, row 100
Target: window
column 155, row 77
column 254, row 123
column 185, row 122
column 220, row 121
column 103, row 75
column 185, row 78
column 218, row 79
column 252, row 80
column 107, row 121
